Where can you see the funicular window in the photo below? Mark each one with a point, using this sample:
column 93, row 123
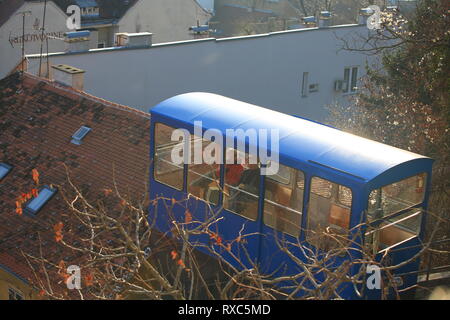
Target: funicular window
column 166, row 171
column 204, row 177
column 328, row 211
column 284, row 200
column 241, row 189
column 387, row 205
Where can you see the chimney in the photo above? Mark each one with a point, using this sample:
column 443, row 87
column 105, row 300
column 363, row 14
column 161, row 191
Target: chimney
column 77, row 41
column 364, row 14
column 324, row 19
column 69, row 76
column 309, row 22
column 132, row 40
column 392, row 8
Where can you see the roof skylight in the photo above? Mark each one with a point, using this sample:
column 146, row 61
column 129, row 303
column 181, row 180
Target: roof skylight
column 4, row 169
column 78, row 137
column 45, row 194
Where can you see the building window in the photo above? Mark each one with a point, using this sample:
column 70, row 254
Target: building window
column 394, row 230
column 350, row 79
column 284, row 200
column 397, row 196
column 203, row 178
column 354, row 79
column 390, row 207
column 166, row 171
column 4, row 170
column 14, row 294
column 328, row 211
column 45, row 194
column 241, row 190
column 305, row 86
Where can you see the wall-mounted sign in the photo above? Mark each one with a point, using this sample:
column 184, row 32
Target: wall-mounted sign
column 33, row 37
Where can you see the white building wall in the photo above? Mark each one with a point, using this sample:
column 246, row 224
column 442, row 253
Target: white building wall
column 168, row 20
column 11, row 33
column 265, row 70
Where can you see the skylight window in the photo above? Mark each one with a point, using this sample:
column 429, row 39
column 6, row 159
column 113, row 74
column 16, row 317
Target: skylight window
column 45, row 194
column 4, row 170
column 78, row 137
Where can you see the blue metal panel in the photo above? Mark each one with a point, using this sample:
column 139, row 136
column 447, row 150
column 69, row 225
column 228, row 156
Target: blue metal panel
column 77, row 34
column 86, row 3
column 202, row 28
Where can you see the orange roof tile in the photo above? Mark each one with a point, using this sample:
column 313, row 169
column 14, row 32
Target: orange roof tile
column 37, row 121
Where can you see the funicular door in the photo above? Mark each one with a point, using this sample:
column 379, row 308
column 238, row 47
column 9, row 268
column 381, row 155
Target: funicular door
column 281, row 221
column 228, row 208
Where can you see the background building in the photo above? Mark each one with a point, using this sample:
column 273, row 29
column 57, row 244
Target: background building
column 297, row 72
column 168, row 20
column 12, row 31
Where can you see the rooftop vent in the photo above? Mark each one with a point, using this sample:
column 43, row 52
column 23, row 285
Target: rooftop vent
column 364, row 14
column 78, row 137
column 200, row 28
column 69, row 76
column 392, row 8
column 141, row 39
column 324, row 19
column 77, row 41
column 309, row 22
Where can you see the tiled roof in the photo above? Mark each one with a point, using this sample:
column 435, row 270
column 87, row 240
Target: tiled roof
column 86, row 3
column 37, row 121
column 7, row 8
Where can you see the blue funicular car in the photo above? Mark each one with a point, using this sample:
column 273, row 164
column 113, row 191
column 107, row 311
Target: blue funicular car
column 328, row 182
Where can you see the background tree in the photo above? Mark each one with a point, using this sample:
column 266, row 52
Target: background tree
column 122, row 256
column 406, row 102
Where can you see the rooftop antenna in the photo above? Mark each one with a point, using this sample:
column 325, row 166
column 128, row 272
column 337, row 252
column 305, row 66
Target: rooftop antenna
column 23, row 13
column 42, row 42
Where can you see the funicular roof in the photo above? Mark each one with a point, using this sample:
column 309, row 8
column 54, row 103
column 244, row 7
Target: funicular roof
column 299, row 139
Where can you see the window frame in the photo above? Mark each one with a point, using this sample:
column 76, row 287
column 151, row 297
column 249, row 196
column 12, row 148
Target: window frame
column 218, row 179
column 258, row 209
column 385, row 223
column 346, row 80
column 378, row 224
column 401, row 211
column 305, row 84
column 352, row 78
column 183, row 187
column 331, row 196
column 295, row 185
column 34, row 212
column 8, row 169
